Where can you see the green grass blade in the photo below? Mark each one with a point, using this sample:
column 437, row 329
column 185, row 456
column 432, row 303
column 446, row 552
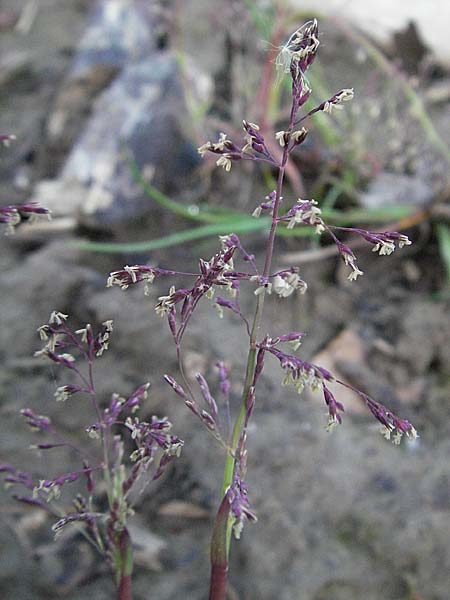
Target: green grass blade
column 357, row 216
column 160, row 198
column 243, row 224
column 443, row 238
column 262, row 19
column 175, row 239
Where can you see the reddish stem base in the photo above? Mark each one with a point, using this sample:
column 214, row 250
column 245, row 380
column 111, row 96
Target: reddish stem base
column 218, row 586
column 124, row 591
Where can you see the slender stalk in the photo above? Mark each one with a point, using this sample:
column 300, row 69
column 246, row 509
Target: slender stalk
column 124, row 591
column 124, row 567
column 104, row 432
column 219, row 570
column 92, row 389
column 229, row 466
column 219, row 553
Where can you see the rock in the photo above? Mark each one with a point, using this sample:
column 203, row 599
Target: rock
column 118, row 33
column 14, row 67
column 135, row 94
column 62, row 196
column 139, row 112
column 71, row 109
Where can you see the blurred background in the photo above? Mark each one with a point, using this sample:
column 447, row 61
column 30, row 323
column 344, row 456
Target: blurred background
column 109, row 101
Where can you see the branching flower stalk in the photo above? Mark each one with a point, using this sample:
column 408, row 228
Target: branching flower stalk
column 220, row 275
column 124, row 478
column 12, row 214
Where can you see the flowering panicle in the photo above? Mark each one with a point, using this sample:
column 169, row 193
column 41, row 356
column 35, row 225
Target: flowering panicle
column 117, row 472
column 224, row 372
column 255, row 141
column 335, row 102
column 148, row 437
column 291, row 138
column 383, row 243
column 266, row 205
column 300, row 50
column 15, row 477
column 118, row 405
column 300, row 90
column 226, row 148
column 237, row 496
column 209, row 400
column 237, row 492
column 294, row 338
column 83, row 341
column 232, row 241
column 136, row 274
column 287, row 282
column 255, row 148
column 304, row 212
column 6, row 139
column 392, row 427
column 219, row 147
column 210, row 416
column 334, row 408
column 76, row 517
column 64, row 392
column 51, row 488
column 179, row 304
column 298, row 372
column 209, row 419
column 349, row 259
column 219, row 273
column 36, row 422
column 101, row 341
column 301, row 374
column 13, row 214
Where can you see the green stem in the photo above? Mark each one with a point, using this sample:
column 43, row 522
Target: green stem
column 251, row 358
column 221, row 539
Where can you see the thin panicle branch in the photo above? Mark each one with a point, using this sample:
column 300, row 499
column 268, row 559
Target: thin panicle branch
column 107, row 467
